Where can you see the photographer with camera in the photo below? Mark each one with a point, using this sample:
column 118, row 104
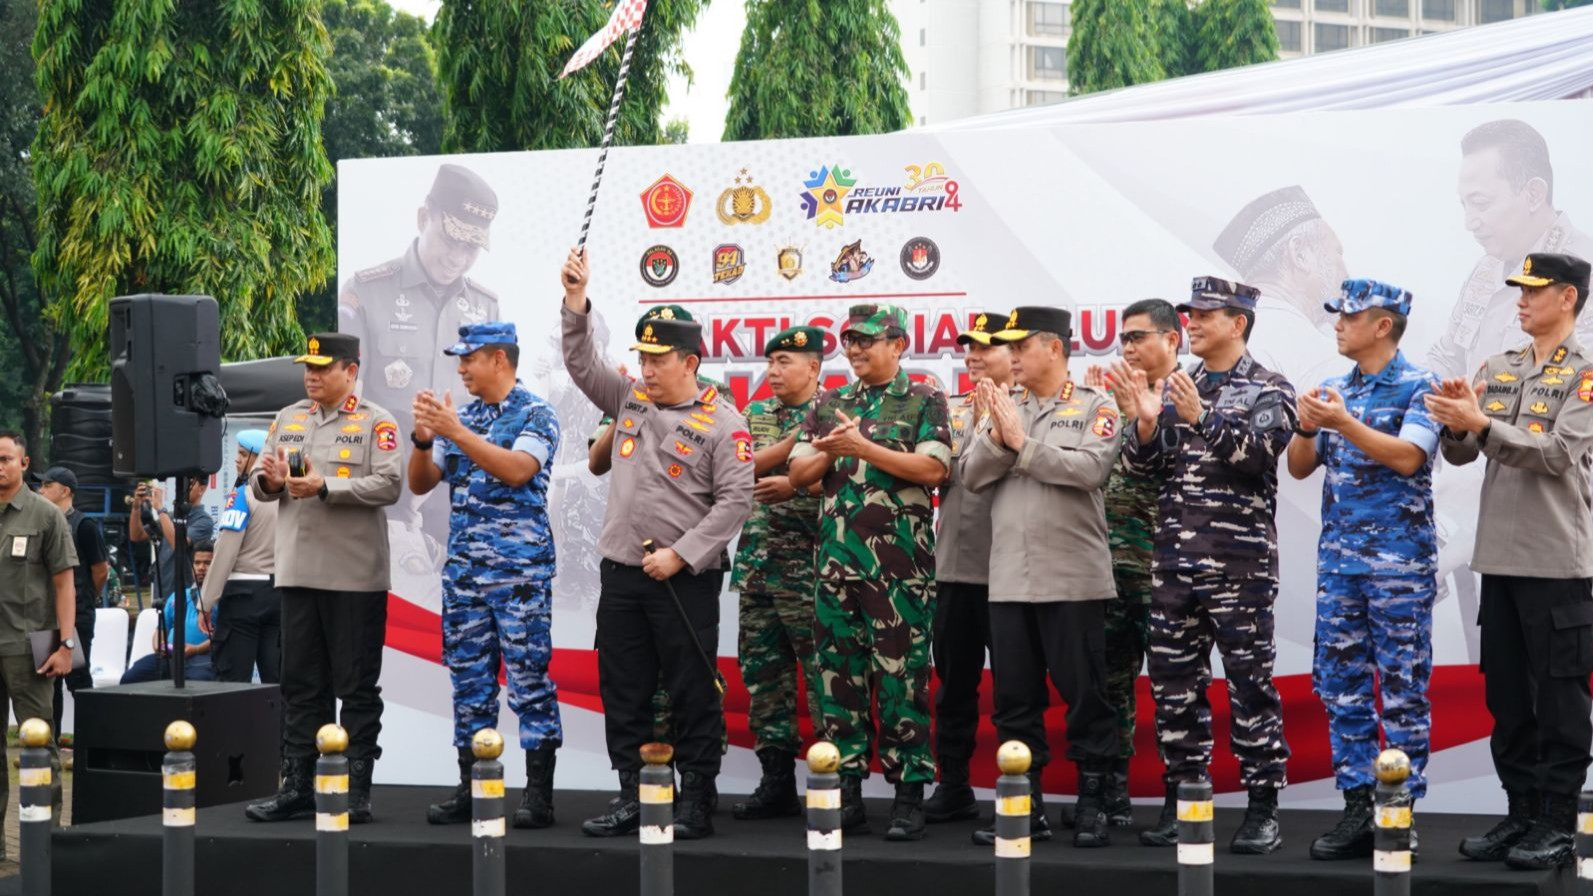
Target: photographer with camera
column 150, row 518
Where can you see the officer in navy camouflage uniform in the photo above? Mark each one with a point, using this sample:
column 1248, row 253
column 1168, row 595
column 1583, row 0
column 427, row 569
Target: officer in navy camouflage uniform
column 1378, row 555
column 497, row 585
column 1212, row 437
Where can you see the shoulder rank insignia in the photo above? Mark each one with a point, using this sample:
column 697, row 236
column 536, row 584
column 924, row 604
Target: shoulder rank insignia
column 351, row 404
column 378, row 272
column 1559, row 355
column 1067, row 391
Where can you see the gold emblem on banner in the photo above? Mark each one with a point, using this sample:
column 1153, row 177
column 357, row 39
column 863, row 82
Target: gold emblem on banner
column 743, row 203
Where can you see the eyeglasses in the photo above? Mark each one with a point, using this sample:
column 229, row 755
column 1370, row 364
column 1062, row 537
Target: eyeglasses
column 1134, row 337
column 858, row 340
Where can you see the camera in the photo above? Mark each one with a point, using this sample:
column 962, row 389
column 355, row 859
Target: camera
column 295, row 463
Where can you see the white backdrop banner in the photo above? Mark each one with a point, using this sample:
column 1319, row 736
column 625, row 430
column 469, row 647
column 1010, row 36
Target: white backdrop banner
column 749, row 236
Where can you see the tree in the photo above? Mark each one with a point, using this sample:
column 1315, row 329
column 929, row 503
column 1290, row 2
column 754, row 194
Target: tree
column 1173, row 23
column 1234, row 33
column 1114, row 44
column 818, row 68
column 677, row 130
column 499, row 63
column 33, row 353
column 180, row 152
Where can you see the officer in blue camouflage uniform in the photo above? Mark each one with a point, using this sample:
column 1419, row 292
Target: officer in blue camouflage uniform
column 1377, row 560
column 1212, row 436
column 497, row 584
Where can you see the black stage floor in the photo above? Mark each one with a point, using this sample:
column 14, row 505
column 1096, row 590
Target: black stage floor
column 401, row 854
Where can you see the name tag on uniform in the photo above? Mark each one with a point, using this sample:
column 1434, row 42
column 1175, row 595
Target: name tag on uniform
column 19, row 546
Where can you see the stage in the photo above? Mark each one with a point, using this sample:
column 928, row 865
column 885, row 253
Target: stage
column 402, row 854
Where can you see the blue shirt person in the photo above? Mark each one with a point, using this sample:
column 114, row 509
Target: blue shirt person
column 196, row 644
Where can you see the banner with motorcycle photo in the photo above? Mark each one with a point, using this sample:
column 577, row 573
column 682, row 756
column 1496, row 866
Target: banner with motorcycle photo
column 753, row 237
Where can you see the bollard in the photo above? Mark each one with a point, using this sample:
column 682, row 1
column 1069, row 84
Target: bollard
column 1584, row 842
column 657, row 797
column 486, row 813
column 1013, row 799
column 35, row 781
column 1197, row 837
column 824, row 820
column 177, row 803
column 1391, row 831
column 331, row 812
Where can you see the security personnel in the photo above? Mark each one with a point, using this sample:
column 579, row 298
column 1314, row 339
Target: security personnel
column 497, row 585
column 332, row 568
column 241, row 607
column 961, row 634
column 879, row 445
column 774, row 576
column 407, row 310
column 683, row 480
column 1378, row 557
column 1047, row 456
column 1534, row 423
column 1211, row 437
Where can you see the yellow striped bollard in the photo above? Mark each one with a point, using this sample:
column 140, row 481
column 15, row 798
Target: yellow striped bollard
column 1391, row 826
column 331, row 812
column 35, row 781
column 824, row 820
column 1013, row 796
column 1584, row 842
column 656, row 794
column 1197, row 838
column 486, row 813
column 177, row 776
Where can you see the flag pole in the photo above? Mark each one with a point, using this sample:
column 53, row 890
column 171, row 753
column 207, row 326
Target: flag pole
column 608, row 132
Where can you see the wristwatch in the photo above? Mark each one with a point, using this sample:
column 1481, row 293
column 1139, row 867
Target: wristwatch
column 424, row 446
column 322, row 493
column 69, row 643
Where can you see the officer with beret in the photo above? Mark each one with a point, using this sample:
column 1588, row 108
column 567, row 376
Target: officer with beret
column 1378, row 554
column 1530, row 413
column 332, row 461
column 497, row 585
column 241, row 607
column 682, row 485
column 774, row 575
column 407, row 310
column 1211, row 437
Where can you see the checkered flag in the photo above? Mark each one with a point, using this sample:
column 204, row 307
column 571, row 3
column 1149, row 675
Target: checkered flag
column 627, row 16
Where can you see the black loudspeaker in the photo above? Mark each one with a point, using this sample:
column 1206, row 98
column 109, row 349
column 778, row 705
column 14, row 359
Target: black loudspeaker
column 80, row 440
column 119, row 742
column 166, row 397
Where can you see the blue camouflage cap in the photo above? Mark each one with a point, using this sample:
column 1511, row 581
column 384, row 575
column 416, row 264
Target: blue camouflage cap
column 1359, row 295
column 472, row 337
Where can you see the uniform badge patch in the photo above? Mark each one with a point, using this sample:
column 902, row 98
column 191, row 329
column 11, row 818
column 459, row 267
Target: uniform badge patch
column 743, row 445
column 353, row 427
column 683, row 449
column 1551, row 381
column 293, row 427
column 358, row 416
column 342, row 472
column 1495, row 405
column 1539, row 407
column 675, row 471
column 386, row 433
column 1584, row 389
column 1534, row 426
column 627, row 447
column 1105, row 424
column 1504, row 377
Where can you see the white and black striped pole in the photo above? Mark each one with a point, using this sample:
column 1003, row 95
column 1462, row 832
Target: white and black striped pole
column 1197, row 850
column 486, row 813
column 35, row 780
column 331, row 812
column 177, row 775
column 1014, row 798
column 824, row 820
column 608, row 131
column 656, row 794
column 1584, row 843
column 1391, row 826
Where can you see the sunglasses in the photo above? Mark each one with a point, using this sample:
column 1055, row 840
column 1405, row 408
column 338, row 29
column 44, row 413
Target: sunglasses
column 1134, row 337
column 859, row 340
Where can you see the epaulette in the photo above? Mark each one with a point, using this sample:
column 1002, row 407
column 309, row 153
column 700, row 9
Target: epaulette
column 378, row 272
column 475, row 287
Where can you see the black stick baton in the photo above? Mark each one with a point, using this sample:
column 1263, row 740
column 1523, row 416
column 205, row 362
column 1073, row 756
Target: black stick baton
column 713, row 670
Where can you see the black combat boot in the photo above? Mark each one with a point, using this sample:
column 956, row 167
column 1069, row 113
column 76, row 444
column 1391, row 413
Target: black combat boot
column 854, row 815
column 456, row 808
column 1165, row 831
column 359, row 790
column 907, row 813
column 295, row 798
column 1495, row 845
column 1089, row 817
column 1119, row 808
column 953, row 799
column 776, row 796
column 536, row 803
column 694, row 810
column 1039, row 825
column 1259, row 834
column 1550, row 840
column 1351, row 838
column 624, row 812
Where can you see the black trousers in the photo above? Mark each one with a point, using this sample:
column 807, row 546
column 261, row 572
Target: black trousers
column 332, row 650
column 1537, row 653
column 77, row 679
column 248, row 632
column 642, row 641
column 959, row 640
column 1067, row 641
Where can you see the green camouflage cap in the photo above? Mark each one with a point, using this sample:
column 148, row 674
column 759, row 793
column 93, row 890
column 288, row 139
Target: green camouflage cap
column 873, row 320
column 662, row 312
column 796, row 339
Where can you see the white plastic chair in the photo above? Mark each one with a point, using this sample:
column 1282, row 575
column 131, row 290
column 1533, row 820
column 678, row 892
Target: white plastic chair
column 143, row 636
column 108, row 653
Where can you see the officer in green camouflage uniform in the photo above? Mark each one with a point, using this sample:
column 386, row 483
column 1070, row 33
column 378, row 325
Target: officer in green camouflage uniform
column 774, row 575
column 880, row 446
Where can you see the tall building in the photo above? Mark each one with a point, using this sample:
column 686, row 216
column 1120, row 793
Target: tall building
column 974, row 57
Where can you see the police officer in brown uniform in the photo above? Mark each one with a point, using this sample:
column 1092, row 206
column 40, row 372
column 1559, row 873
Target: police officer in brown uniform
column 333, row 461
column 1530, row 413
column 682, row 478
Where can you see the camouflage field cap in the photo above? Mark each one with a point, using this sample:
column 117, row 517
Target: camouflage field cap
column 874, row 320
column 1207, row 293
column 1359, row 295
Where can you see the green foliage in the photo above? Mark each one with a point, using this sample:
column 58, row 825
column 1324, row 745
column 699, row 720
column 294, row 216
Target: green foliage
column 678, row 130
column 1114, row 44
column 1173, row 23
column 1234, row 33
column 1553, row 5
column 499, row 61
column 818, row 68
column 180, row 152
